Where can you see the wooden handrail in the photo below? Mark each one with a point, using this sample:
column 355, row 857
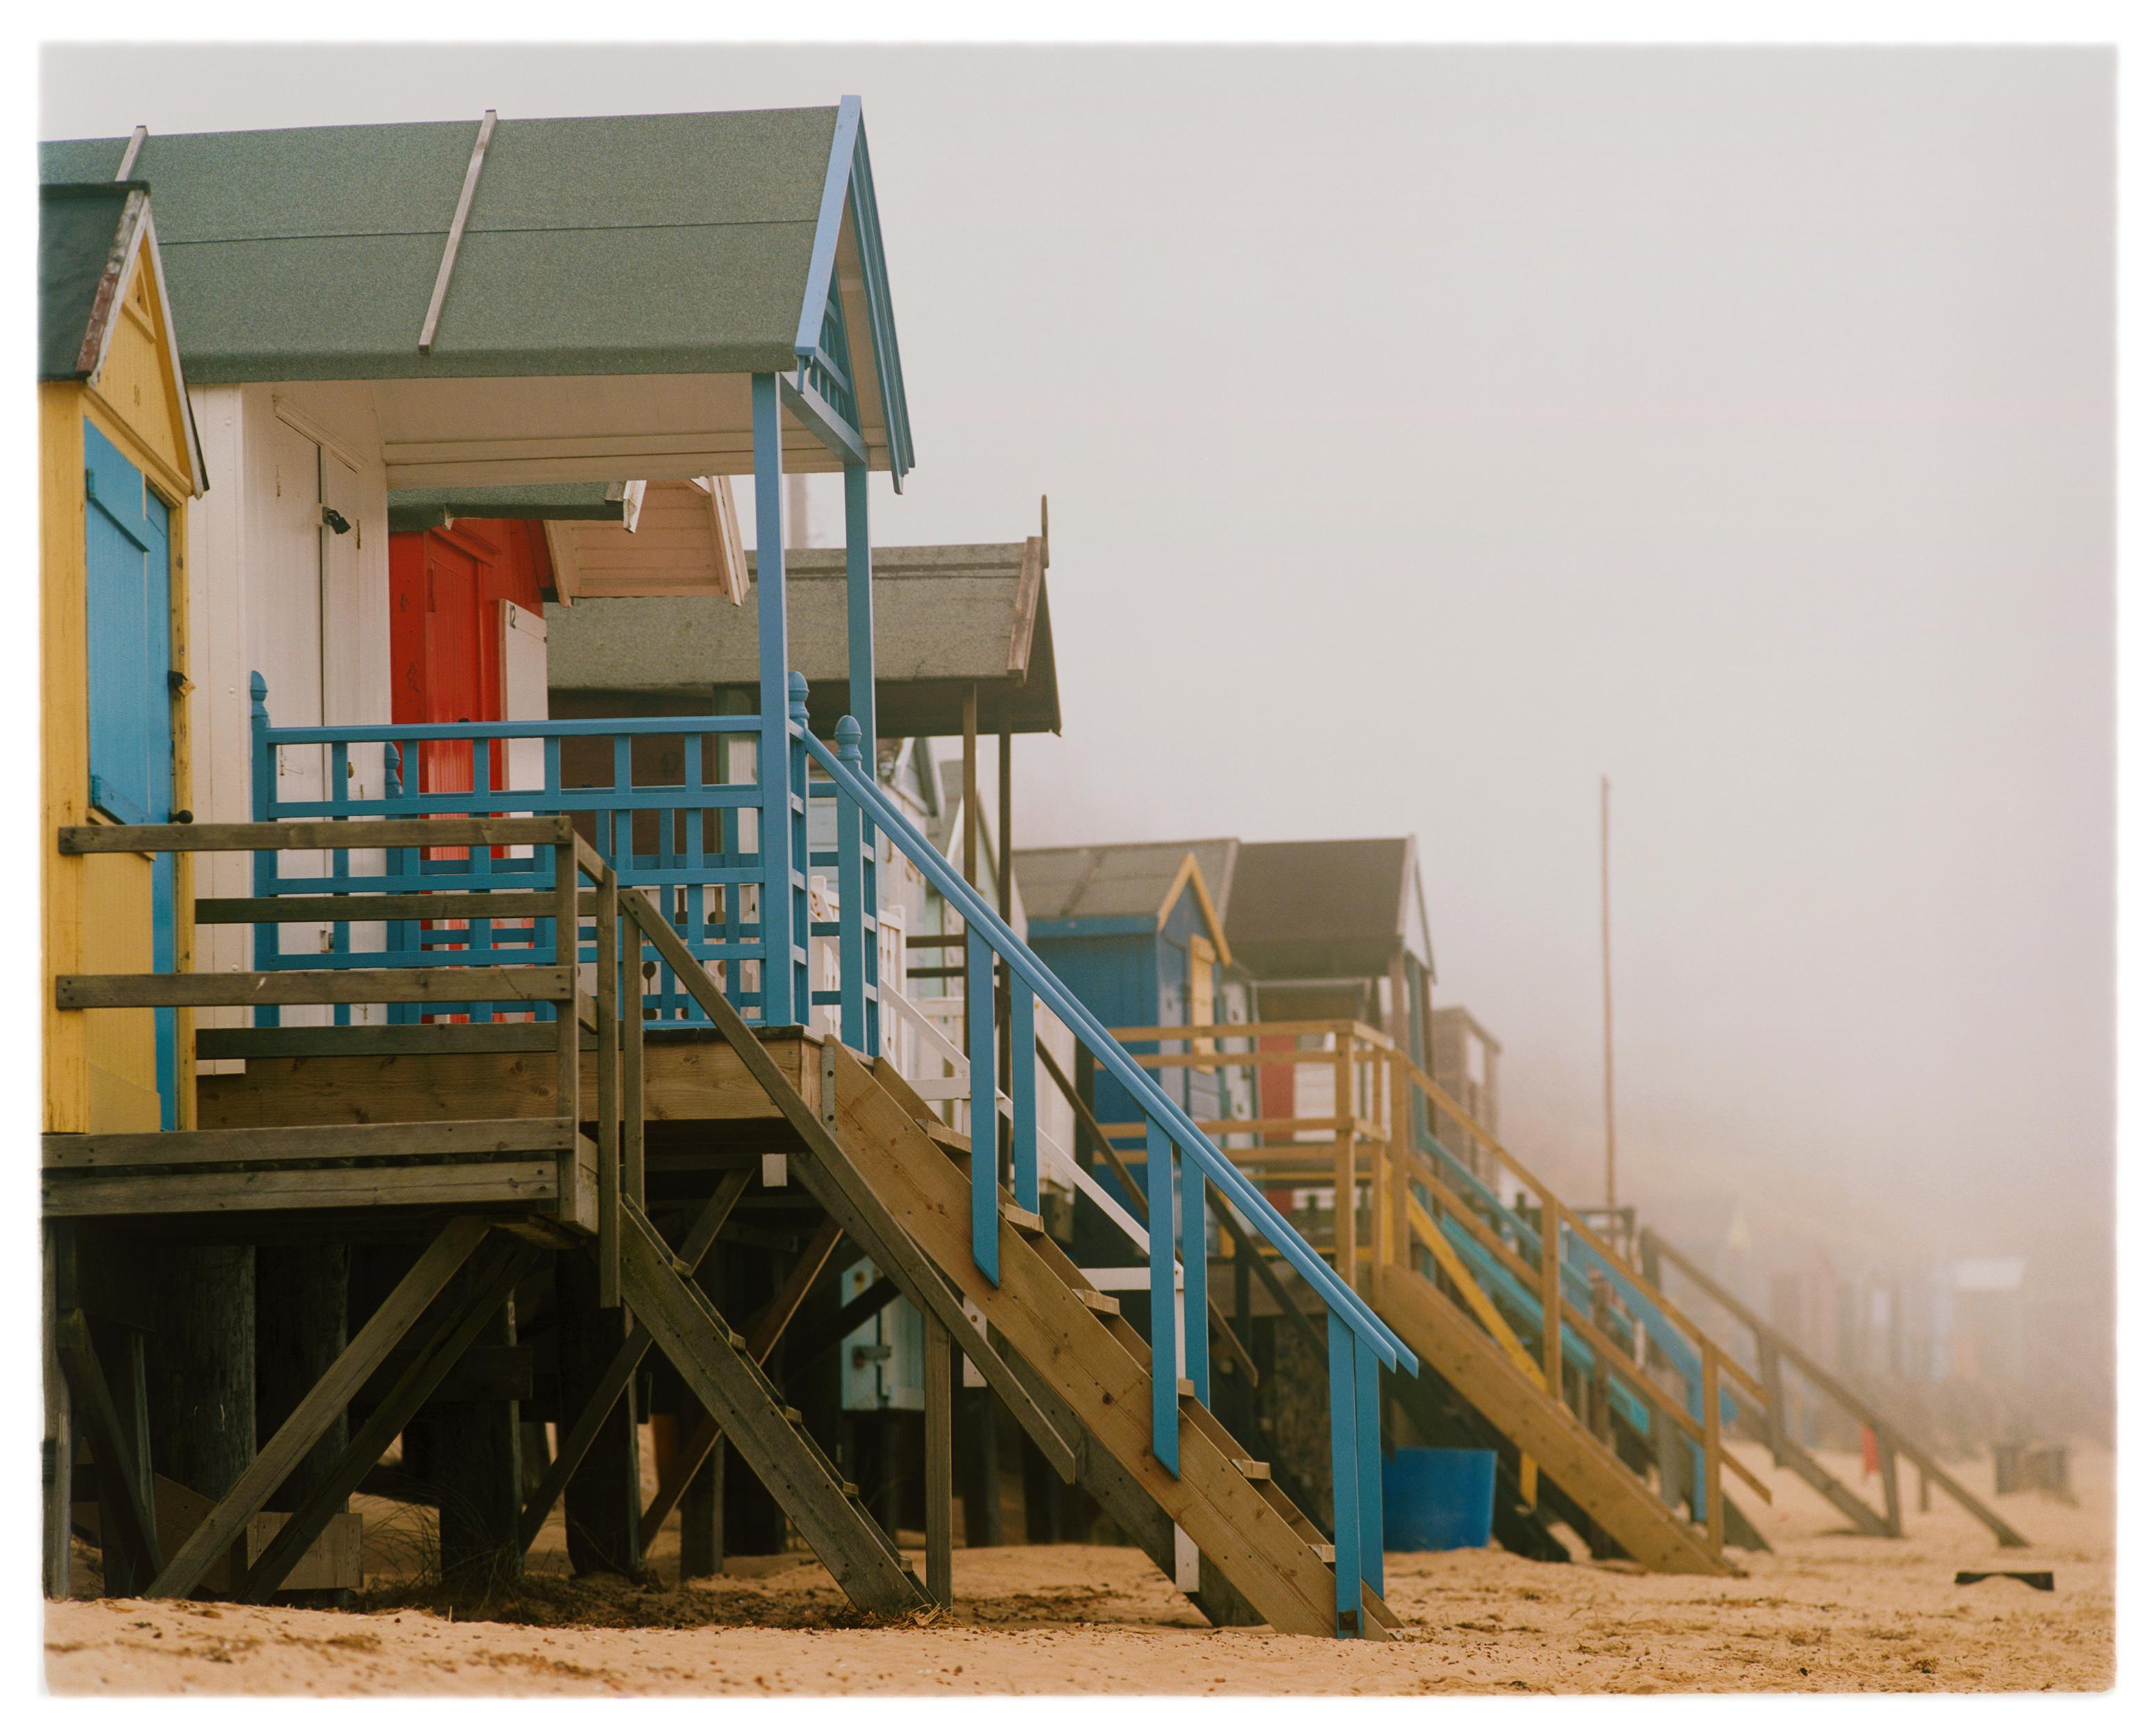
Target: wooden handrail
column 1889, row 1434
column 1652, row 1293
column 423, row 832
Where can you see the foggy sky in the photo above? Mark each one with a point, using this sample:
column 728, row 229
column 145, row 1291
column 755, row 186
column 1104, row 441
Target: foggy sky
column 1429, row 432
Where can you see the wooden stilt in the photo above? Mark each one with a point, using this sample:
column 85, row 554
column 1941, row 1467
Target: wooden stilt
column 603, row 1501
column 474, row 1298
column 301, row 1294
column 58, row 1447
column 941, row 1377
column 478, row 1471
column 128, row 1524
column 703, row 1522
column 250, row 1492
column 201, row 1367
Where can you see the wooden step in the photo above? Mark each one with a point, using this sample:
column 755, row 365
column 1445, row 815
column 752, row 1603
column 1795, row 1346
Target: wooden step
column 1026, row 1223
column 1255, row 1470
column 1106, row 1307
column 945, row 1135
column 1097, row 1366
column 1453, row 1347
column 1187, row 1387
column 1327, row 1554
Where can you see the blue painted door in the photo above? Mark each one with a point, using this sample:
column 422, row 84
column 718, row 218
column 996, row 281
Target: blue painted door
column 128, row 535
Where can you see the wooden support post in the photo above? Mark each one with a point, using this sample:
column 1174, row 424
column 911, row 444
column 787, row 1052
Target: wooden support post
column 1344, row 1219
column 201, row 1367
column 1888, row 1466
column 370, row 1347
column 58, row 1447
column 129, row 1526
column 302, row 1292
column 941, row 1377
column 1921, row 1489
column 476, row 1452
column 603, row 1501
column 477, row 1292
column 610, row 989
column 703, row 1521
column 1716, row 1515
column 1551, row 1272
column 1005, row 899
column 1776, row 1401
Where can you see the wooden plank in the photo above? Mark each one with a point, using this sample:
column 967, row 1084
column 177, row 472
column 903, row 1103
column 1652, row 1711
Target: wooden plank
column 437, row 832
column 576, row 1442
column 282, row 1042
column 1451, row 1346
column 1861, row 1409
column 527, row 1184
column 829, row 1175
column 698, row 1078
column 263, row 1145
column 414, row 1293
column 1099, row 1367
column 308, row 988
column 119, row 1479
column 764, row 1333
column 379, row 907
column 694, row 1337
column 940, row 1490
column 489, row 1282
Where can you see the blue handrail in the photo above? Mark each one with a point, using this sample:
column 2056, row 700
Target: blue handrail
column 1358, row 1342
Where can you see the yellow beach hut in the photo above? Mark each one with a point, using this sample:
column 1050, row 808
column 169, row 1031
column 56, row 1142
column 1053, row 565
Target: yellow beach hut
column 119, row 462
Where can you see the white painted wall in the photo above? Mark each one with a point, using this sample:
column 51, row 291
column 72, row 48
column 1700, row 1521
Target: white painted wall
column 269, row 588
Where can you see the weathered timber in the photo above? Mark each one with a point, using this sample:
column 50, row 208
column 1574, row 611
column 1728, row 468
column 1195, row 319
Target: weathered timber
column 442, row 832
column 302, row 1324
column 601, row 1494
column 763, row 1335
column 606, row 1390
column 271, row 1145
column 428, row 1277
column 363, row 985
column 119, row 1479
column 829, row 1174
column 487, row 1282
column 858, row 1554
column 1099, row 1366
column 1452, row 1344
column 380, row 907
column 522, row 1184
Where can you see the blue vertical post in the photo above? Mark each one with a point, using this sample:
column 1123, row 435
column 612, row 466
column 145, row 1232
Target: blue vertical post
column 774, row 828
column 1195, row 1275
column 796, row 819
column 980, row 1039
column 264, row 766
column 1345, row 1480
column 1165, row 1366
column 852, row 980
column 1024, row 1096
column 860, row 701
column 1369, row 1440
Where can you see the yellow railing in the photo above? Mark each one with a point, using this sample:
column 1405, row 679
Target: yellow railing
column 1390, row 1198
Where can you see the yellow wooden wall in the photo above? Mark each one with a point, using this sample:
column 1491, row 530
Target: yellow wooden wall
column 100, row 1066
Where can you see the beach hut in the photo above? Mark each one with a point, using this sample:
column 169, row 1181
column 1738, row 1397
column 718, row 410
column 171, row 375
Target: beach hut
column 119, row 464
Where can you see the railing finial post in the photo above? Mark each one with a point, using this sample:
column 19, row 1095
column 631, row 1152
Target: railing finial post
column 796, row 697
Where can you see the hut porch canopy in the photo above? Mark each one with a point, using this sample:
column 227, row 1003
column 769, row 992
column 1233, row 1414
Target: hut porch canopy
column 607, row 286
column 947, row 620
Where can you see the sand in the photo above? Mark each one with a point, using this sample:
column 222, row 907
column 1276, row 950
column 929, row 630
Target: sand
column 1824, row 1611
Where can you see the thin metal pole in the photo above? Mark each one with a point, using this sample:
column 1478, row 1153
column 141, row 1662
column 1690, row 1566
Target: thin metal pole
column 1607, row 1003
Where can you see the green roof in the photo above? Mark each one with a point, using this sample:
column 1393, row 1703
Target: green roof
column 636, row 244
column 431, row 508
column 83, row 236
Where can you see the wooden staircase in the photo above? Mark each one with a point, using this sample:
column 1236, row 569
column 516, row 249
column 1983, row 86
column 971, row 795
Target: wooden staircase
column 1455, row 1347
column 1094, row 1363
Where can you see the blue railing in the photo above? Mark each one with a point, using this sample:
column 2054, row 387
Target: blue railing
column 675, row 804
column 1359, row 1343
column 657, row 798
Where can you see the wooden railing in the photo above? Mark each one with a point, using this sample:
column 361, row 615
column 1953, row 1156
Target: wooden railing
column 1572, row 1312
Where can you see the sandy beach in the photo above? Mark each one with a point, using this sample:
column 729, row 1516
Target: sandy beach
column 1823, row 1610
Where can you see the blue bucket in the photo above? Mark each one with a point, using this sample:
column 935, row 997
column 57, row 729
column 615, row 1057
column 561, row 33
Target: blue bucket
column 1439, row 1497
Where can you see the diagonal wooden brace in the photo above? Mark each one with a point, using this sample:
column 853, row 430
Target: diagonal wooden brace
column 370, row 1347
column 118, row 1481
column 621, row 1371
column 493, row 1279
